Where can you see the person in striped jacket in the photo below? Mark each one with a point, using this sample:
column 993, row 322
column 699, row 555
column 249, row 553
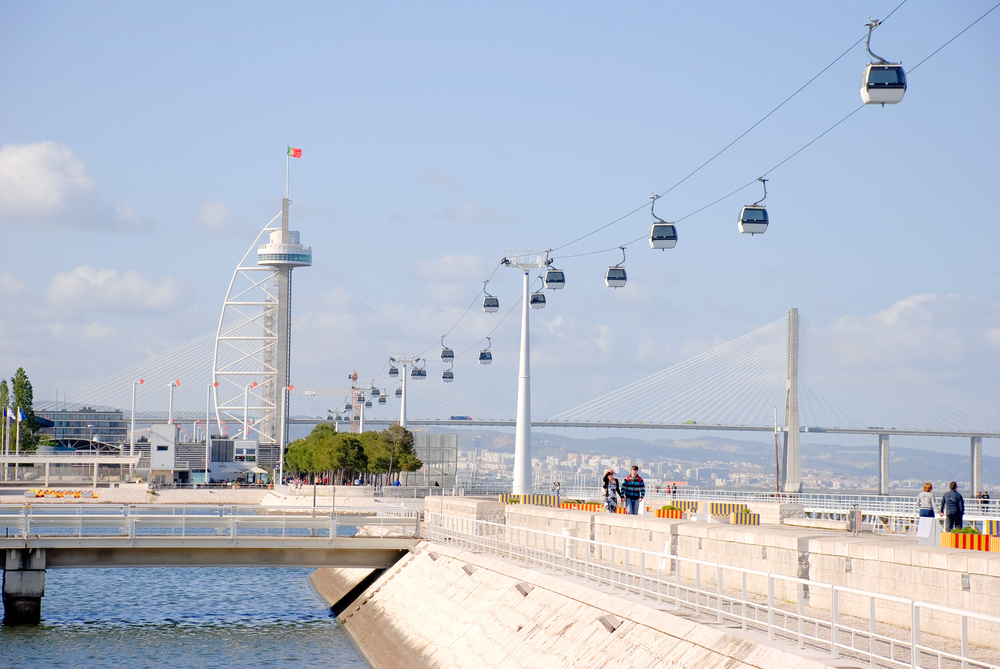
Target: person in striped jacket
column 633, row 490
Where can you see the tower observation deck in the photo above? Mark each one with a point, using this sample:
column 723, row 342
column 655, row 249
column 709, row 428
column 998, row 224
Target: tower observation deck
column 253, row 343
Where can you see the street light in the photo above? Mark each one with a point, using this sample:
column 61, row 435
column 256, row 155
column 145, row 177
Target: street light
column 208, row 431
column 283, row 437
column 246, row 409
column 170, row 407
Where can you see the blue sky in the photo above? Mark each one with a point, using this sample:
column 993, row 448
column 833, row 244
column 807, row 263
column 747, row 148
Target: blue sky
column 143, row 148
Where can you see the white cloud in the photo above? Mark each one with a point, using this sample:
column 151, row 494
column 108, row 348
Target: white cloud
column 98, row 331
column 436, row 179
column 465, row 211
column 44, row 184
column 108, row 290
column 217, row 217
column 10, row 284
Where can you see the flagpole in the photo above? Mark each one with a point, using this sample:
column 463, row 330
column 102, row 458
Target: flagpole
column 286, row 171
column 17, row 444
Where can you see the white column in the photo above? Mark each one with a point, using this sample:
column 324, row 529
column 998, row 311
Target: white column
column 976, row 457
column 361, row 423
column 791, row 474
column 402, row 404
column 883, row 464
column 522, row 439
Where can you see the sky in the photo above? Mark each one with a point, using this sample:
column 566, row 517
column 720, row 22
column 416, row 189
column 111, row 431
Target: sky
column 142, row 148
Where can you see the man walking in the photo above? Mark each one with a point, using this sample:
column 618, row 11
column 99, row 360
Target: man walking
column 952, row 507
column 633, row 489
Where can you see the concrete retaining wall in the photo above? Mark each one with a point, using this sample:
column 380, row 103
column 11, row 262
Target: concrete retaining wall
column 441, row 607
column 892, row 566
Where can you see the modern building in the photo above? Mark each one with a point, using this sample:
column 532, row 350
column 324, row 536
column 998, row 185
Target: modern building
column 81, row 423
column 439, row 455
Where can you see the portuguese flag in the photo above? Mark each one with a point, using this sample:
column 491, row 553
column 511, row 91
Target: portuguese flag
column 294, row 153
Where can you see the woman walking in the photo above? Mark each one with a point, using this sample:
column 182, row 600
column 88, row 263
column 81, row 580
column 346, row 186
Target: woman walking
column 928, row 532
column 612, row 492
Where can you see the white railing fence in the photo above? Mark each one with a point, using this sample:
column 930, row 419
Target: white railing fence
column 841, row 621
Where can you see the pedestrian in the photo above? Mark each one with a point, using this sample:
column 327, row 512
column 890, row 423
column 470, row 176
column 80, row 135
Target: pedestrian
column 952, row 508
column 925, row 501
column 634, row 490
column 673, row 490
column 611, row 491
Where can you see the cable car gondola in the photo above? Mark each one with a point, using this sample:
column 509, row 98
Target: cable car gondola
column 537, row 300
column 447, row 376
column 447, row 355
column 399, row 393
column 554, row 278
column 883, row 83
column 368, row 404
column 753, row 217
column 393, row 372
column 616, row 277
column 347, row 407
column 490, row 303
column 662, row 235
column 416, row 373
column 485, row 357
column 382, row 398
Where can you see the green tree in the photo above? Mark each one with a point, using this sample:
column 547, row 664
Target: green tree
column 23, row 398
column 398, row 445
column 4, row 403
column 349, row 453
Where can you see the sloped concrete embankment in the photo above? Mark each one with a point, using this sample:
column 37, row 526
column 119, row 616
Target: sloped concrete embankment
column 442, row 607
column 893, row 566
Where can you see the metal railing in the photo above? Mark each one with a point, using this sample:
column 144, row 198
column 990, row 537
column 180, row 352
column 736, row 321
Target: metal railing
column 124, row 524
column 839, row 620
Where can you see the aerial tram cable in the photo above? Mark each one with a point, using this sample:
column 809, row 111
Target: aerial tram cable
column 616, row 277
column 753, row 217
column 741, row 136
column 883, row 83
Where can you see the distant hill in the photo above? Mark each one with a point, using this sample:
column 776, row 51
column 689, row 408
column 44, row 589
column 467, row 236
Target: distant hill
column 905, row 463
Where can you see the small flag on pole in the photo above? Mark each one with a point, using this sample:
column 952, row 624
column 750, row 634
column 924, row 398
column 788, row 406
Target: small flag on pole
column 20, row 415
column 294, row 153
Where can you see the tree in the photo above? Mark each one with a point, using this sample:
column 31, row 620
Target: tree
column 398, row 442
column 23, row 398
column 4, row 405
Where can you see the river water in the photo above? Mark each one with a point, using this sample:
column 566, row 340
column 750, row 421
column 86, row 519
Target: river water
column 180, row 618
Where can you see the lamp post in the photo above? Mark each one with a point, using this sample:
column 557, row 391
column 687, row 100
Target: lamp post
column 208, row 431
column 170, row 408
column 283, row 437
column 246, row 410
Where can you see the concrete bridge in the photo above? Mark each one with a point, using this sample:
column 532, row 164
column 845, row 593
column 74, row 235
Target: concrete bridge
column 40, row 537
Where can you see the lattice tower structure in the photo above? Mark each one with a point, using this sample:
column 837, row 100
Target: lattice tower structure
column 253, row 341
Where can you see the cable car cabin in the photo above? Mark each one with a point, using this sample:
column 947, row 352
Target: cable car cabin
column 537, row 301
column 447, row 376
column 381, row 399
column 491, row 304
column 347, row 407
column 399, row 393
column 485, row 357
column 616, row 277
column 883, row 84
column 418, row 373
column 447, row 355
column 554, row 278
column 368, row 404
column 663, row 236
column 753, row 220
column 393, row 372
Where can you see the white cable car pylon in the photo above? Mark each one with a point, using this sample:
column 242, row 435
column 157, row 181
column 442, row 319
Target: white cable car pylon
column 753, row 217
column 616, row 276
column 662, row 235
column 883, row 83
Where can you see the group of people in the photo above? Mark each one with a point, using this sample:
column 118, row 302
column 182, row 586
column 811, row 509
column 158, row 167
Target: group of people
column 632, row 491
column 952, row 505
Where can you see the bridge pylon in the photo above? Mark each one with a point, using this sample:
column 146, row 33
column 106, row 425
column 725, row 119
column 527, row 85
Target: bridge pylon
column 791, row 452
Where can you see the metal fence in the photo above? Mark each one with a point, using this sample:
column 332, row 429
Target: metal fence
column 838, row 620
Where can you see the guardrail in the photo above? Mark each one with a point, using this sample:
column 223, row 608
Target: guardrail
column 843, row 622
column 124, row 524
